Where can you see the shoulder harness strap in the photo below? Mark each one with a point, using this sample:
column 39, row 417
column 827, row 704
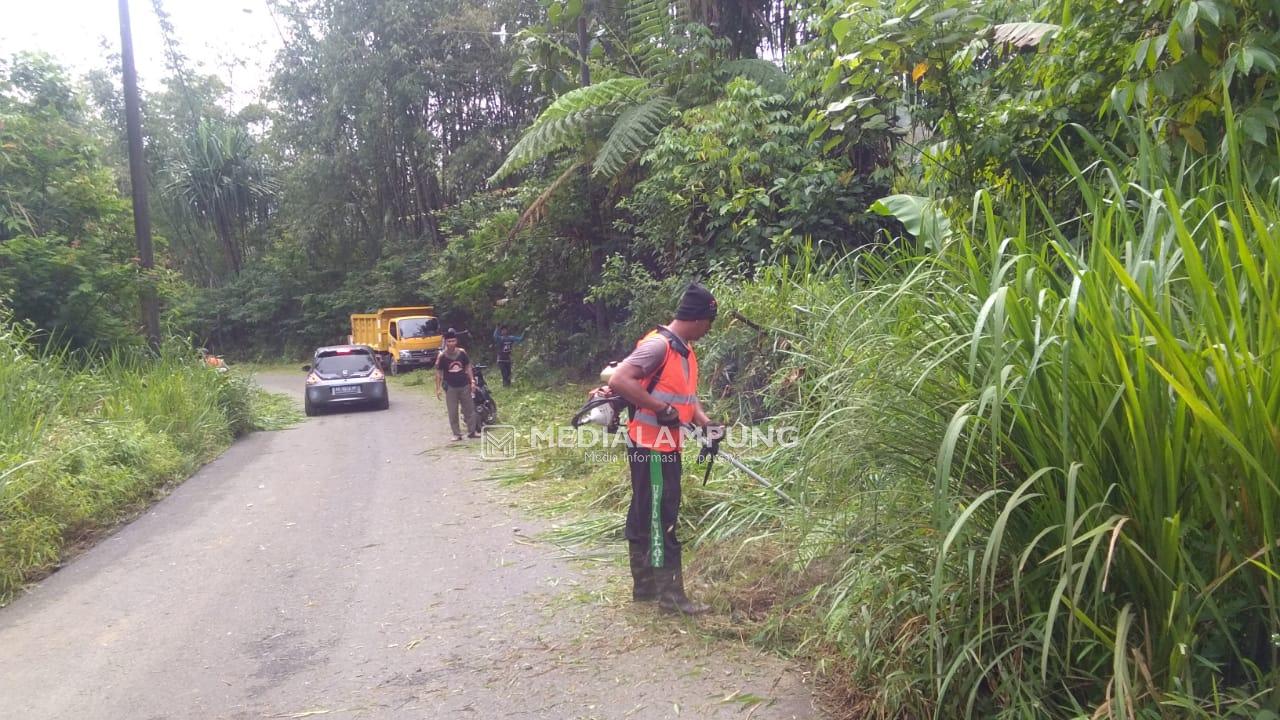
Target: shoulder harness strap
column 675, row 343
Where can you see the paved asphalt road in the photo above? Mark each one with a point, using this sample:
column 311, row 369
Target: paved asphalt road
column 356, row 566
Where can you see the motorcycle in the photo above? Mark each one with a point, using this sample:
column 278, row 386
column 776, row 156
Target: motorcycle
column 486, row 408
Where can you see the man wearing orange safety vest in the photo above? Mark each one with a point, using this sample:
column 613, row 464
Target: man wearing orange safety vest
column 660, row 378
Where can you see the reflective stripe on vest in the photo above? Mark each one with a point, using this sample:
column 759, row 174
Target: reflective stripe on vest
column 673, row 398
column 678, row 386
column 647, row 417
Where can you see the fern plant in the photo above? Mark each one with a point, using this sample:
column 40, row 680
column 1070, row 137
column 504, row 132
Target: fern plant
column 612, row 122
column 569, row 121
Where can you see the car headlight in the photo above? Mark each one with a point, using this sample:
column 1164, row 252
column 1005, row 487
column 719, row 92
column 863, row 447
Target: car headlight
column 404, row 353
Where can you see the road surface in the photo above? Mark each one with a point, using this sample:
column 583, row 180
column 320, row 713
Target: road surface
column 358, row 566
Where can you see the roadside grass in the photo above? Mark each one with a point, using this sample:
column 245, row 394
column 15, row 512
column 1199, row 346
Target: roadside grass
column 85, row 445
column 1037, row 467
column 558, row 481
column 1043, row 465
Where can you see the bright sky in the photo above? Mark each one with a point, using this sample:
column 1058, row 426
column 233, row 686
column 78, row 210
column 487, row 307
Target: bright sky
column 234, row 39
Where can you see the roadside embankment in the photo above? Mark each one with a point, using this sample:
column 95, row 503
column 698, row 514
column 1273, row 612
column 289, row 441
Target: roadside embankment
column 85, row 444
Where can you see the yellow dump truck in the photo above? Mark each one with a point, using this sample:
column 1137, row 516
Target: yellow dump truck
column 404, row 337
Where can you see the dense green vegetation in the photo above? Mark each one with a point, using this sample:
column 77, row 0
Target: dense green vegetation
column 1011, row 266
column 94, row 426
column 1072, row 433
column 85, row 444
column 1025, row 461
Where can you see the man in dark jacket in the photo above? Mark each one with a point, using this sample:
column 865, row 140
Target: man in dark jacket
column 505, row 341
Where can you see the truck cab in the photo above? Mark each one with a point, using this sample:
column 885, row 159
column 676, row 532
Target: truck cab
column 414, row 341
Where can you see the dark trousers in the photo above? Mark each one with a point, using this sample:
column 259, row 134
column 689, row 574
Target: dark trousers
column 505, row 367
column 655, row 505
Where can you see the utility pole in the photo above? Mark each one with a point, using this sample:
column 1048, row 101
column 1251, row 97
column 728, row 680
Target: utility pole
column 597, row 251
column 584, row 39
column 138, row 179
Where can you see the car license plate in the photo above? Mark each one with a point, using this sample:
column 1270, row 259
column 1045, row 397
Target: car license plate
column 346, row 390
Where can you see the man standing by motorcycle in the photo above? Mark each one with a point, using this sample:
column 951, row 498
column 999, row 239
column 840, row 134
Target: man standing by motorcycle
column 660, row 379
column 454, row 373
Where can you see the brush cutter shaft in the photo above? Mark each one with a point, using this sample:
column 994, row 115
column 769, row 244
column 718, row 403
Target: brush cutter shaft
column 714, row 447
column 754, row 475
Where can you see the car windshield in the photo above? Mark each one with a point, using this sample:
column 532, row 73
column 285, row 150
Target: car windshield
column 352, row 363
column 419, row 327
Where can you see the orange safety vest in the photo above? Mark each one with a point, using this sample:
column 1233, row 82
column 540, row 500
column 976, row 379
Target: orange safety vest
column 678, row 385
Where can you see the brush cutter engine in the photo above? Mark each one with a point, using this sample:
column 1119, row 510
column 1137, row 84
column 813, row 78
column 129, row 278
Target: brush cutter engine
column 604, row 407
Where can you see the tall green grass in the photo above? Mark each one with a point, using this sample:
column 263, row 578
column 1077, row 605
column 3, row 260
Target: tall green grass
column 1121, row 552
column 846, row 354
column 86, row 443
column 1045, row 462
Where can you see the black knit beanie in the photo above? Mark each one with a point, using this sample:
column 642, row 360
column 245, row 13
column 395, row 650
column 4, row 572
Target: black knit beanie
column 697, row 304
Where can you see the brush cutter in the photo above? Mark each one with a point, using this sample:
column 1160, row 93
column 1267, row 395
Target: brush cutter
column 604, row 407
